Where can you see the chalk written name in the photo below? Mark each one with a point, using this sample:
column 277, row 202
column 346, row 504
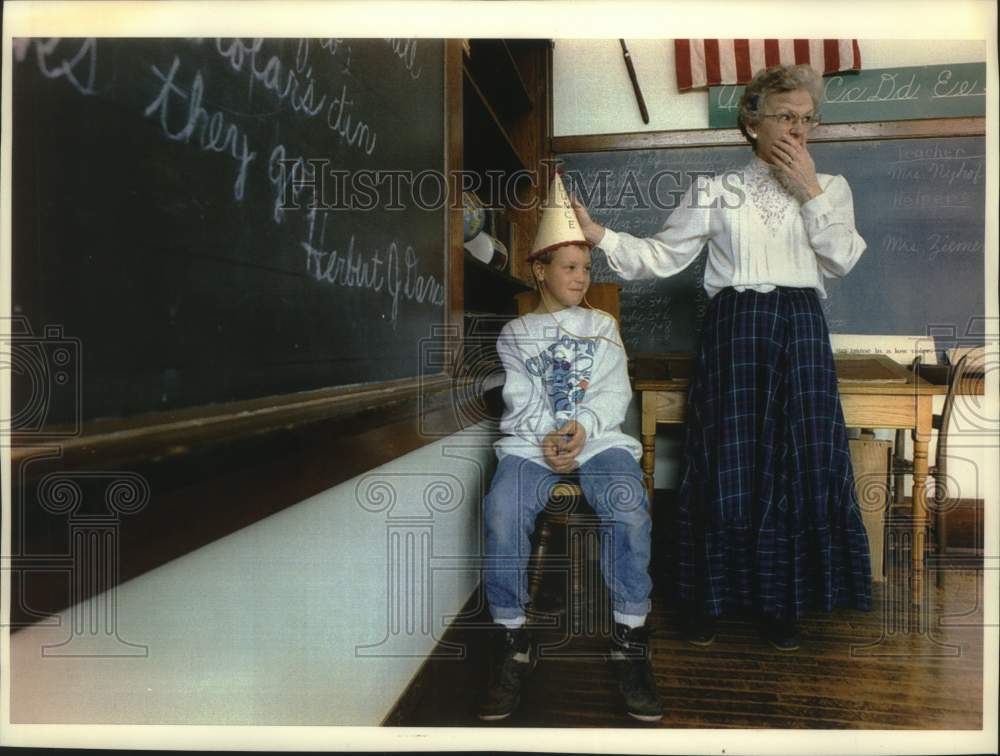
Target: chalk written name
column 933, row 246
column 964, row 172
column 393, row 271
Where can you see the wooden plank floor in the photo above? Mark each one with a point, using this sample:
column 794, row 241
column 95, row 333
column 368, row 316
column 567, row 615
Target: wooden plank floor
column 890, row 668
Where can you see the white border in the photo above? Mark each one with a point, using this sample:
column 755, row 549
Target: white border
column 863, row 19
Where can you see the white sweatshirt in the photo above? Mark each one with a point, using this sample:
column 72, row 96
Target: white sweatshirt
column 759, row 236
column 553, row 377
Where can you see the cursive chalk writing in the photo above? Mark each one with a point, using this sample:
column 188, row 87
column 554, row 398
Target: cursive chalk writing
column 300, row 178
column 726, row 99
column 362, row 134
column 296, row 84
column 891, row 87
column 399, row 279
column 80, row 69
column 943, row 244
column 406, row 50
column 962, row 88
column 932, row 246
column 892, row 244
column 215, row 136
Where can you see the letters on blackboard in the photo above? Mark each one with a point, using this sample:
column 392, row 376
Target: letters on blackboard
column 179, row 101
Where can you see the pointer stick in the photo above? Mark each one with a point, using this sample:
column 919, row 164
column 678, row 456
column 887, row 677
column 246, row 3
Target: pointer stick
column 635, row 83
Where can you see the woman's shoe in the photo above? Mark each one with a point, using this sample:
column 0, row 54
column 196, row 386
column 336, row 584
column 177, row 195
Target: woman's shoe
column 699, row 630
column 782, row 634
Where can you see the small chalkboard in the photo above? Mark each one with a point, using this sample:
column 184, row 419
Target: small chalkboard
column 918, row 203
column 162, row 223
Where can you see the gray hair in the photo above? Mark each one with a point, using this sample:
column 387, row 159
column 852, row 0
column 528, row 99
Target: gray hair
column 775, row 80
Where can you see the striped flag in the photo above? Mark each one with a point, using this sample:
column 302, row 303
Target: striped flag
column 709, row 62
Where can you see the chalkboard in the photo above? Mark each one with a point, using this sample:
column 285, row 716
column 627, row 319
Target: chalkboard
column 918, row 203
column 159, row 231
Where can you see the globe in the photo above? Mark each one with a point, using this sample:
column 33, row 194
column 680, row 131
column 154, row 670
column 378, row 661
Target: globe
column 473, row 216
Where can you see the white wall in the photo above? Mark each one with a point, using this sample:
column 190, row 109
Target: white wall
column 592, row 93
column 268, row 625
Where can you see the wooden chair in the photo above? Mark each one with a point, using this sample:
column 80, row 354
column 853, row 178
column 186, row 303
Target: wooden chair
column 969, row 365
column 567, row 508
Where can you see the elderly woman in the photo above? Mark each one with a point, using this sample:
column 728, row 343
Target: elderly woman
column 767, row 514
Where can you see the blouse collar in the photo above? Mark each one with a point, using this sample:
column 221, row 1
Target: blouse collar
column 757, row 167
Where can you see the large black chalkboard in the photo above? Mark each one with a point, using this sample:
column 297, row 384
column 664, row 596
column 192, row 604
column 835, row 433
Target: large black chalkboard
column 148, row 227
column 918, row 203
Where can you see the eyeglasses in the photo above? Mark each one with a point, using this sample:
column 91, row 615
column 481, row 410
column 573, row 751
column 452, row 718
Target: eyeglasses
column 789, row 119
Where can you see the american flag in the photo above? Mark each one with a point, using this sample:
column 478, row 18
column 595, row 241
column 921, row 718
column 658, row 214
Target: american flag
column 709, row 62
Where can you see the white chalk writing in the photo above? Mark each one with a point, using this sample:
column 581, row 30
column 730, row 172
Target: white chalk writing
column 362, row 134
column 80, row 69
column 215, row 136
column 891, row 87
column 351, row 269
column 296, row 85
column 943, row 244
column 933, row 246
column 945, row 87
column 406, row 50
column 935, row 200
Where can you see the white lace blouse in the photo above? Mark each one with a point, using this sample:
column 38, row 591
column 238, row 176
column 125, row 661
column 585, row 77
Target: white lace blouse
column 759, row 236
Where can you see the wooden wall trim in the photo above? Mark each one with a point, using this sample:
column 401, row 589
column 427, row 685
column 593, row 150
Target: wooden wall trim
column 836, row 132
column 455, row 263
column 172, row 434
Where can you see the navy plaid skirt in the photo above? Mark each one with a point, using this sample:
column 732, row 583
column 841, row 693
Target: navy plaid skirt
column 767, row 513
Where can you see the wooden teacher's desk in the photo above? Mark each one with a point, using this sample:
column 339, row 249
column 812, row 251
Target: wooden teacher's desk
column 875, row 392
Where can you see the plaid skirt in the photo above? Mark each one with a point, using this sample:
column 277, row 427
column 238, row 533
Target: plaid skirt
column 767, row 512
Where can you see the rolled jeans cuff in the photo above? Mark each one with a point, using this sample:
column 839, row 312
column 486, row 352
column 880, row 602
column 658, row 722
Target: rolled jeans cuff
column 506, row 613
column 633, row 608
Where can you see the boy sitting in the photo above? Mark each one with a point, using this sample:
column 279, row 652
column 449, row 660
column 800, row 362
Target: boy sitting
column 565, row 396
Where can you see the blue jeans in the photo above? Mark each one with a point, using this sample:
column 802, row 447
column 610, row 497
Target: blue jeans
column 612, row 483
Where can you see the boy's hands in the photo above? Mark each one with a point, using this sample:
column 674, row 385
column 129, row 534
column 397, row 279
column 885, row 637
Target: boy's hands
column 561, row 447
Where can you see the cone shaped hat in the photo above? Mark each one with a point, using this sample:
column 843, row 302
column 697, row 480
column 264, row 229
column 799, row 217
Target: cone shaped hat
column 558, row 226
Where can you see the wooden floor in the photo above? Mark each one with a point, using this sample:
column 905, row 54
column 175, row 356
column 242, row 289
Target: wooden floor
column 891, row 668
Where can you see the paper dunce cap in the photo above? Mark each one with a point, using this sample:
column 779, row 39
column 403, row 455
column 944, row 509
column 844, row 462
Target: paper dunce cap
column 558, row 226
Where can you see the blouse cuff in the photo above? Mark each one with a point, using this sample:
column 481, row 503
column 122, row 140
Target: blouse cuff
column 609, row 242
column 816, row 208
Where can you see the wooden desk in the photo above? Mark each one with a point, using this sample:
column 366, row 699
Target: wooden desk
column 875, row 392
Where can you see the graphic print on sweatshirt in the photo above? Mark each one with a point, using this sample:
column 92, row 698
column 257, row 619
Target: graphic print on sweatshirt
column 565, row 367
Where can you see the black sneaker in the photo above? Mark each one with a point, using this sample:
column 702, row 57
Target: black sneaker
column 698, row 630
column 632, row 657
column 783, row 634
column 513, row 659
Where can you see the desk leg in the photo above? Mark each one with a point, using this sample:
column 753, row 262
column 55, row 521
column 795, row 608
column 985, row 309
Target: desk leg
column 921, row 438
column 649, row 440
